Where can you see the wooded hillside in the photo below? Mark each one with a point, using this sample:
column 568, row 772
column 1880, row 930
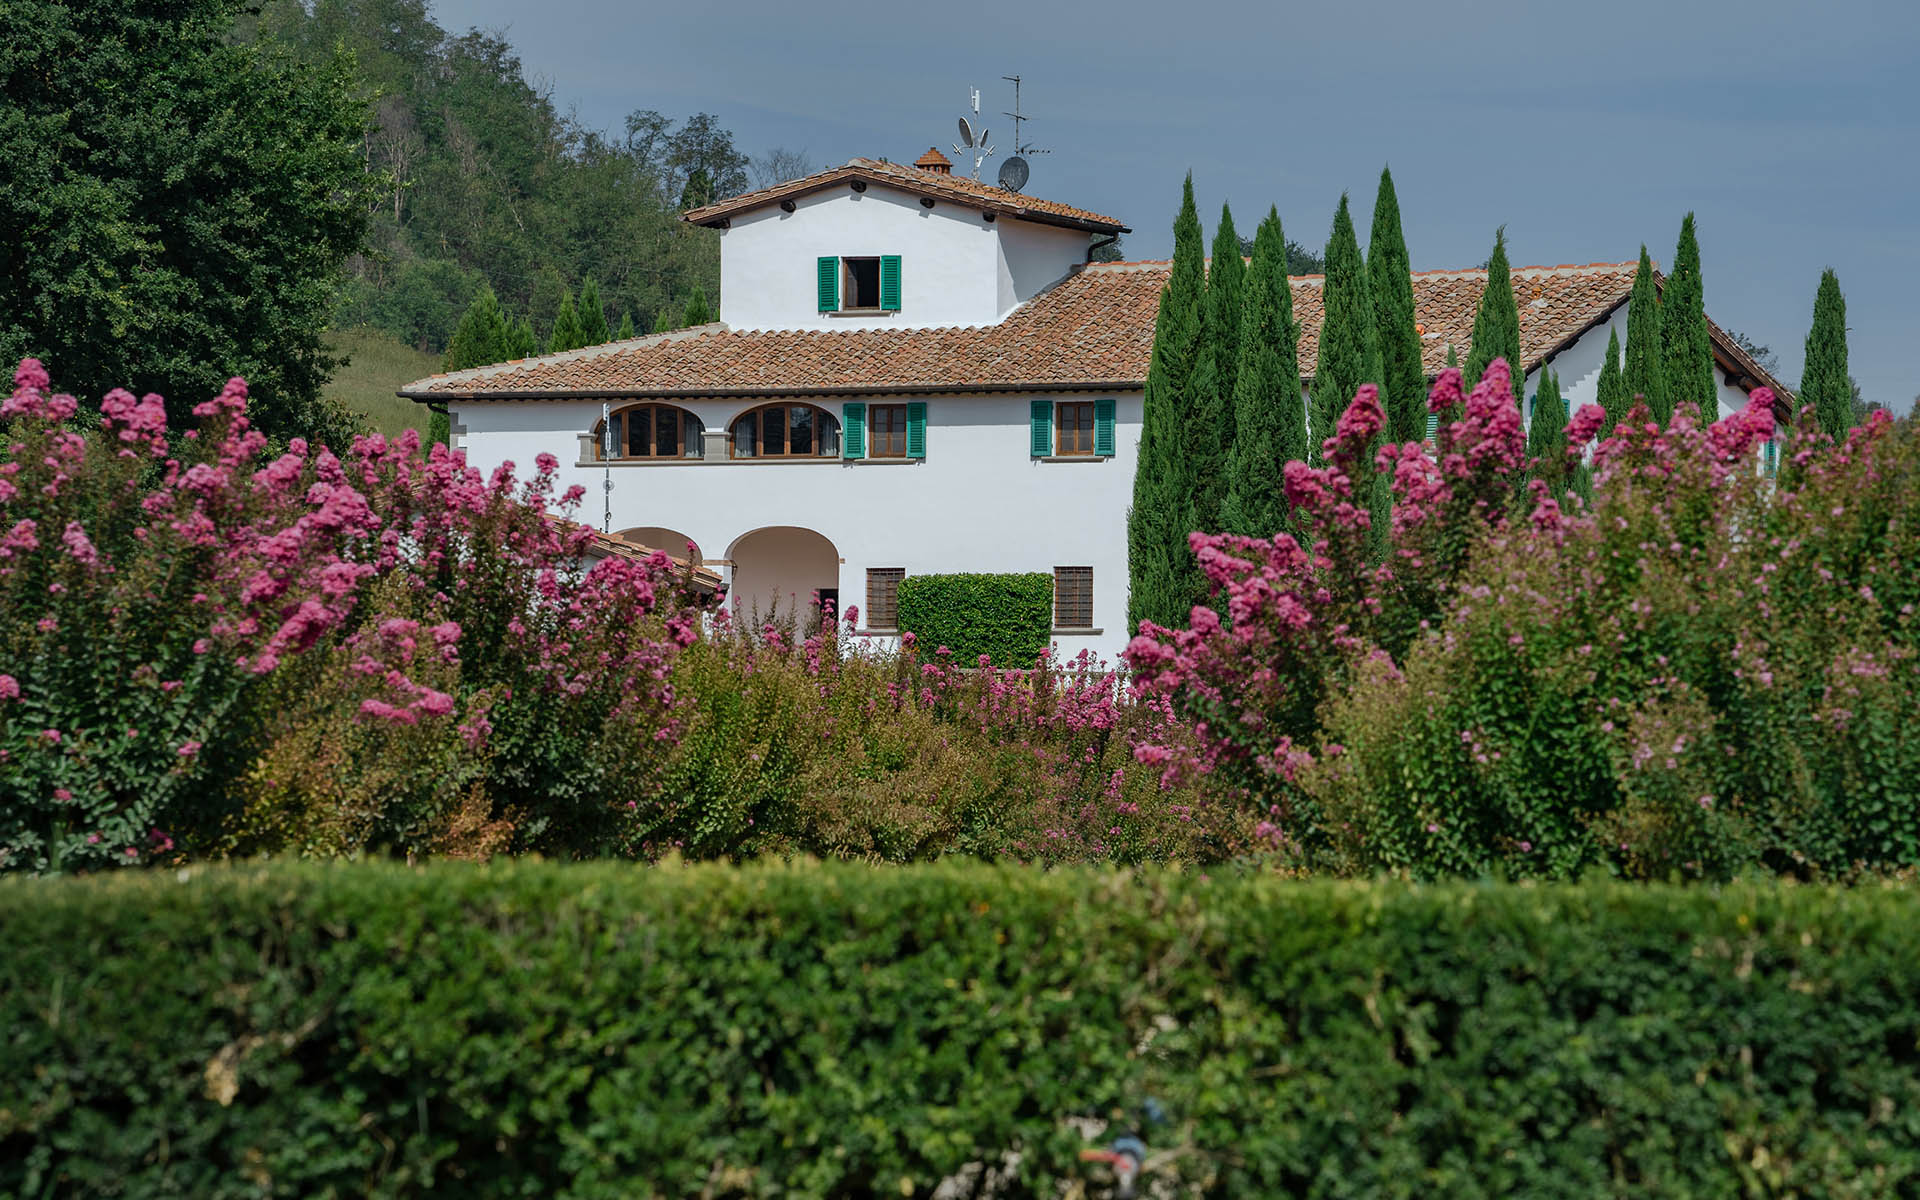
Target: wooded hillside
column 486, row 181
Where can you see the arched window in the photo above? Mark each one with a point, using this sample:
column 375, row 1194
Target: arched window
column 786, row 431
column 652, row 431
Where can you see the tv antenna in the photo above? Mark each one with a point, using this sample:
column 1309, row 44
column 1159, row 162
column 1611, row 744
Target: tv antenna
column 1020, row 147
column 973, row 145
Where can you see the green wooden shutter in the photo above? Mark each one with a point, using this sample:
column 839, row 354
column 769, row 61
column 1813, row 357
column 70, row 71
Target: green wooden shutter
column 1103, row 428
column 1433, row 427
column 853, row 430
column 890, row 283
column 917, row 430
column 829, row 275
column 1042, row 415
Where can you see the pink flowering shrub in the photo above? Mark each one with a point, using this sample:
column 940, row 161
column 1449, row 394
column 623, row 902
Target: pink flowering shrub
column 824, row 746
column 208, row 647
column 1704, row 671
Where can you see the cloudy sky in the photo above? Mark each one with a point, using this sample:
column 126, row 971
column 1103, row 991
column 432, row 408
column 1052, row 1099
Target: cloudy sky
column 1791, row 130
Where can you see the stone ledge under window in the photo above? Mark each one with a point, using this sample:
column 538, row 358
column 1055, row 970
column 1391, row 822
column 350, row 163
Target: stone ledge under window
column 886, row 462
column 876, row 633
column 1077, row 631
column 1073, row 458
column 863, row 312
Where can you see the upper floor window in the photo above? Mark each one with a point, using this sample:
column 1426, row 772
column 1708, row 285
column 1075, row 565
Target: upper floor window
column 854, row 284
column 651, row 431
column 786, row 431
column 1073, row 429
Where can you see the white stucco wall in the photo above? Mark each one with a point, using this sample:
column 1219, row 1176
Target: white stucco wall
column 950, row 260
column 977, row 502
column 1031, row 258
column 1578, row 369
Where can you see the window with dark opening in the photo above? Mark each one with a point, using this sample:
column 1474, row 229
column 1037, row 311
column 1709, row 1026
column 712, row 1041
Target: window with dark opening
column 860, row 283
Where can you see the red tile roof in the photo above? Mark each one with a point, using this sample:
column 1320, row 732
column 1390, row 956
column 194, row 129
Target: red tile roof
column 1093, row 330
column 919, row 181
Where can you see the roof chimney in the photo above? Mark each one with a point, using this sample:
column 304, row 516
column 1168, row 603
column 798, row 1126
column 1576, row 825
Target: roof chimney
column 934, row 161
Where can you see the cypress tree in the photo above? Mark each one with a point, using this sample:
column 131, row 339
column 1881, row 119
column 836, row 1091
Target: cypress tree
column 1547, row 434
column 1349, row 357
column 1496, row 322
column 626, row 325
column 1210, row 414
column 593, row 316
column 1270, row 419
column 1349, row 342
column 1646, row 377
column 1683, row 332
column 1155, row 588
column 566, row 327
column 482, row 337
column 1390, row 282
column 697, row 311
column 1824, row 382
column 1614, row 397
column 524, row 342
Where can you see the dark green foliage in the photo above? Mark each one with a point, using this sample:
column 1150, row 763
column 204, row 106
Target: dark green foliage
column 697, row 312
column 1496, row 322
column 1824, row 382
column 1300, row 260
column 599, row 1031
column 1006, row 617
column 626, row 326
column 526, row 343
column 420, row 303
column 1210, row 412
column 1403, row 391
column 593, row 315
column 1157, row 554
column 483, row 335
column 1645, row 365
column 1683, row 332
column 1349, row 341
column 566, row 334
column 1270, row 421
column 1547, row 435
column 165, row 228
column 1614, row 397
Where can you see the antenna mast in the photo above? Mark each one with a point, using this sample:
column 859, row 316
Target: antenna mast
column 1019, row 147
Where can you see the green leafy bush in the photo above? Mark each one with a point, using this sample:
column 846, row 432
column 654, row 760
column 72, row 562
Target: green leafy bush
column 1008, row 618
column 588, row 1031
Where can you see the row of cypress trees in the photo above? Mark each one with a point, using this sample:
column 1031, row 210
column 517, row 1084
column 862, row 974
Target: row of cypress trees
column 1223, row 414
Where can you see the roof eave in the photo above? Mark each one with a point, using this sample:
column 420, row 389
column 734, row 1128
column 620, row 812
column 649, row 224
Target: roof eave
column 712, row 215
column 877, row 389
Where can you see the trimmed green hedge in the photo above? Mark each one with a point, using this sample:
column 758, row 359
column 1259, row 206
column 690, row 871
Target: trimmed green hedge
column 1007, row 617
column 604, row 1030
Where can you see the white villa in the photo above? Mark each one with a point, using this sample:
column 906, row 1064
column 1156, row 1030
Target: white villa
column 883, row 315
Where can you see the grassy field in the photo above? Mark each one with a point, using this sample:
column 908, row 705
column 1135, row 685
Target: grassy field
column 378, row 365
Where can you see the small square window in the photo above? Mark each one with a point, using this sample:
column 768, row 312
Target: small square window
column 1073, row 597
column 859, row 283
column 883, row 597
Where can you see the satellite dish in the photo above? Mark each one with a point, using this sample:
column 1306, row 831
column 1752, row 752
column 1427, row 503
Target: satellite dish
column 966, row 133
column 1013, row 173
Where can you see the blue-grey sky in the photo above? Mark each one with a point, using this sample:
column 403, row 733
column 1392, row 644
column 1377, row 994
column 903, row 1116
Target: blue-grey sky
column 1791, row 129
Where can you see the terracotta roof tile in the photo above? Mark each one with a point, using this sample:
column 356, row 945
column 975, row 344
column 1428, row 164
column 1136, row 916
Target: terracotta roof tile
column 1093, row 330
column 957, row 188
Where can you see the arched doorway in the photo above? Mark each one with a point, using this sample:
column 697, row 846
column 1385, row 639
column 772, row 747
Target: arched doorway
column 656, row 537
column 777, row 574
